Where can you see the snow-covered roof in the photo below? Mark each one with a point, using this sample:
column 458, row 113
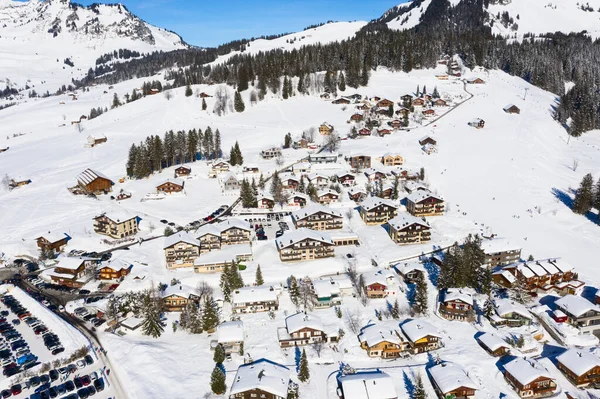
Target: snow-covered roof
column 132, row 323
column 406, row 267
column 227, row 253
column 562, row 265
column 298, row 321
column 357, row 190
column 373, row 334
column 507, row 306
column 537, row 269
column 578, row 361
column 549, row 267
column 497, row 245
column 450, row 376
column 373, row 202
column 492, row 341
column 313, row 209
column 292, row 237
column 234, row 223
column 372, row 171
column 53, row 236
column 456, row 294
column 526, row 371
column 413, row 185
column 368, row 385
column 177, row 182
column 208, row 229
column 327, row 191
column 421, row 195
column 576, row 305
column 525, row 270
column 89, row 175
column 343, row 174
column 416, row 329
column 326, row 288
column 230, row 176
column 230, row 331
column 262, row 293
column 181, row 236
column 343, row 281
column 266, row 196
column 509, row 106
column 118, row 264
column 71, row 263
column 380, row 276
column 404, row 220
column 263, row 374
column 120, row 216
column 181, row 290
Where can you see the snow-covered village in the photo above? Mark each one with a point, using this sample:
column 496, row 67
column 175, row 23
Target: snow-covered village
column 406, row 207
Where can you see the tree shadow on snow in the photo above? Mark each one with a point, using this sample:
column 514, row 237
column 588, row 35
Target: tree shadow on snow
column 408, row 384
column 589, row 293
column 432, row 271
column 552, row 351
column 563, row 197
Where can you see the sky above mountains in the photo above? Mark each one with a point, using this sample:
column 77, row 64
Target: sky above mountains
column 210, row 23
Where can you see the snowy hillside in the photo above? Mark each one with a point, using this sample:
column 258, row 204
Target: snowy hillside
column 37, row 36
column 542, row 16
column 328, row 33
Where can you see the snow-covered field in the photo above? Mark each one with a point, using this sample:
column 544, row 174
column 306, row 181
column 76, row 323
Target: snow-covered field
column 511, row 178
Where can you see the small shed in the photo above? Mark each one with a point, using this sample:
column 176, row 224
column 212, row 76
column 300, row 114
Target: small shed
column 512, row 109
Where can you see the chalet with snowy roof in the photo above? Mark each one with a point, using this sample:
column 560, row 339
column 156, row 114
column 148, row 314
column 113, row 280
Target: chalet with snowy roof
column 581, row 368
column 325, row 129
column 411, row 186
column 115, row 269
column 374, row 174
column 262, row 298
column 418, row 102
column 395, row 124
column 209, row 236
column 215, row 261
column 290, row 182
column 407, row 229
column 456, row 304
column 318, row 179
column 94, row 141
column 302, row 167
column 427, row 140
column 357, row 117
column 389, row 159
column 450, row 380
column 403, row 112
column 385, row 103
column 359, row 161
column 176, row 297
column 422, row 336
column 183, row 170
column 328, row 293
column 364, row 132
column 375, row 211
column 428, row 113
column 542, row 275
column 323, row 157
column 406, row 98
column 230, row 182
column 383, row 132
column 341, row 100
column 298, row 199
column 357, row 194
column 510, row 313
column 582, row 314
column 303, row 329
column 180, row 250
column 424, row 203
column 404, row 174
column 317, row 217
column 300, row 143
column 261, row 379
column 477, row 123
column 304, row 244
column 230, row 335
column 475, row 81
column 220, row 167
column 94, row 182
column 366, row 385
column 69, row 272
column 493, row 344
column 116, row 225
column 410, row 271
column 270, row 153
column 327, row 196
column 438, row 102
column 383, row 340
column 52, row 241
column 170, row 186
column 123, row 195
column 512, row 109
column 346, row 179
column 265, row 201
column 500, row 252
column 380, row 283
column 363, row 107
column 529, row 378
column 234, row 231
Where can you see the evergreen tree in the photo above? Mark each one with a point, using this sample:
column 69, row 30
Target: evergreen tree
column 247, row 195
column 131, row 160
column 304, row 373
column 424, row 89
column 204, row 104
column 285, row 94
column 584, row 196
column 488, row 308
column 418, row 93
column 116, row 103
column 420, row 304
column 192, row 145
column 294, row 291
column 396, row 310
column 238, row 102
column 342, row 82
column 277, row 188
column 207, row 143
column 217, row 152
column 188, row 90
column 419, row 391
column 435, row 93
column 254, row 188
column 259, row 276
column 261, row 182
column 217, row 381
column 597, row 197
column 301, row 89
column 238, row 152
column 151, row 308
column 485, row 280
column 219, row 356
column 242, row 77
column 210, row 315
column 287, row 141
column 225, row 284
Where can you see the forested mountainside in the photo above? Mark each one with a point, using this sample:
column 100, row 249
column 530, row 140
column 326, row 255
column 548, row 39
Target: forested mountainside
column 548, row 62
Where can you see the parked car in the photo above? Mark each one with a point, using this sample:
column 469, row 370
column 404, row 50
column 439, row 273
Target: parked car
column 88, row 360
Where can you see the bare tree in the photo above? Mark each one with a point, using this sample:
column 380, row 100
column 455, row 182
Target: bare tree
column 575, row 164
column 79, row 127
column 5, row 184
column 168, row 95
column 318, row 347
column 221, row 100
column 279, row 160
column 204, row 290
column 308, row 297
column 350, row 213
column 332, row 142
column 353, row 320
column 309, row 134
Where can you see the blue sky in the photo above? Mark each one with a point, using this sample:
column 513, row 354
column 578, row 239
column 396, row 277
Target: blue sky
column 209, row 23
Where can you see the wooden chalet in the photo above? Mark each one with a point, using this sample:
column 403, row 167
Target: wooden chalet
column 116, row 225
column 181, row 249
column 476, row 81
column 512, row 109
column 406, row 98
column 93, row 182
column 54, row 242
column 403, row 112
column 380, row 283
column 123, row 195
column 418, row 102
column 493, row 344
column 341, row 100
column 456, row 304
column 383, row 340
column 422, row 336
column 383, row 132
column 385, row 103
column 427, row 140
column 170, row 186
column 424, row 203
column 327, row 196
column 357, row 194
column 428, row 113
column 303, row 329
column 346, row 179
column 114, row 270
column 69, row 272
column 407, row 229
column 450, row 380
column 260, row 298
column 204, row 95
column 356, row 117
column 366, row 385
column 364, row 132
column 94, row 141
column 376, row 211
column 325, row 129
column 529, row 378
column 176, row 297
column 438, row 102
column 359, row 161
column 262, row 379
column 182, row 171
column 15, row 183
column 396, row 124
column 582, row 368
column 392, row 160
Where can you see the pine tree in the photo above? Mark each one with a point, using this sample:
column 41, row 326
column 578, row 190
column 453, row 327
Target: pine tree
column 276, row 188
column 485, row 280
column 420, row 302
column 419, row 391
column 435, row 93
column 418, row 93
column 597, row 197
column 284, row 92
column 204, row 104
column 304, row 373
column 192, row 145
column 238, row 152
column 424, row 89
column 342, row 82
column 259, row 276
column 217, row 152
column 584, row 196
column 233, row 157
column 210, row 315
column 188, row 90
column 217, row 381
column 238, row 102
column 294, row 291
column 488, row 308
column 151, row 325
column 287, row 141
column 301, row 89
column 116, row 103
column 396, row 310
column 261, row 182
column 225, row 284
column 131, row 160
column 219, row 356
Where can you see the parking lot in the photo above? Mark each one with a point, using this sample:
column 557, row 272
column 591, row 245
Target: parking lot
column 271, row 224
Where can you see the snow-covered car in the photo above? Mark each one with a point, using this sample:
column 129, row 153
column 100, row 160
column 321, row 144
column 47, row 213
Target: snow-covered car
column 80, row 364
